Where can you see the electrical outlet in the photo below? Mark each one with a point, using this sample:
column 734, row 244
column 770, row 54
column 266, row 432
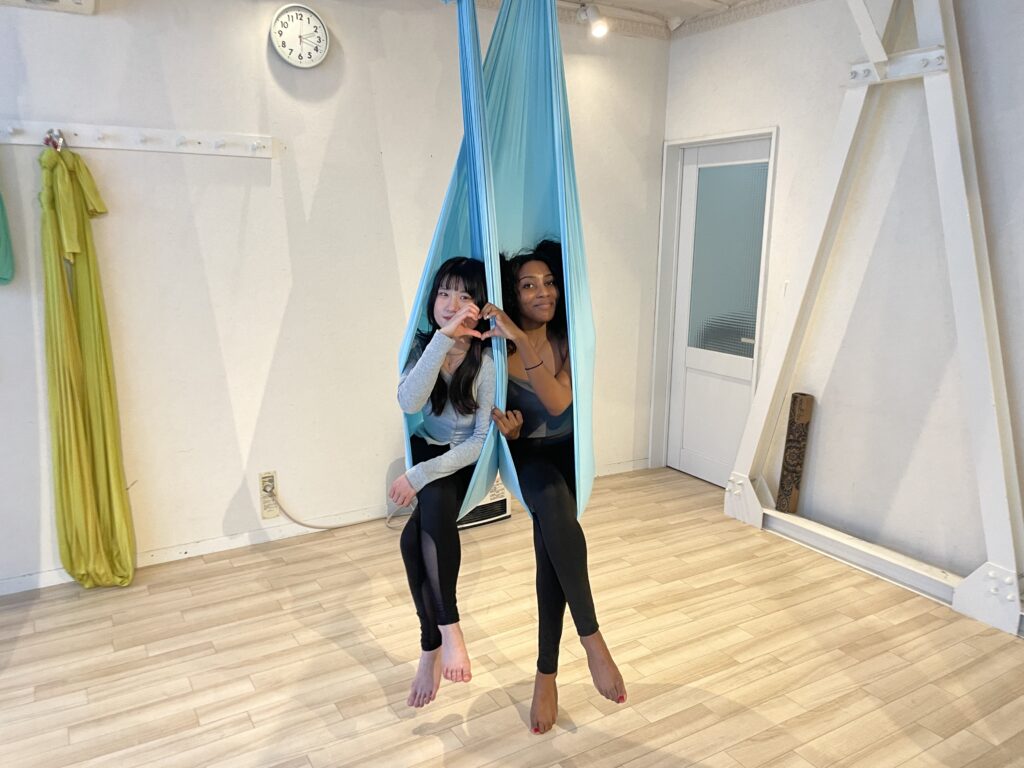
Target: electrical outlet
column 268, row 502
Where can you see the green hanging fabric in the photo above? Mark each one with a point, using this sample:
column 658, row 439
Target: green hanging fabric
column 6, row 252
column 94, row 522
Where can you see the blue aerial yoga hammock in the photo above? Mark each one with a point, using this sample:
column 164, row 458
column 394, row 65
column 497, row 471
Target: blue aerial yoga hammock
column 515, row 184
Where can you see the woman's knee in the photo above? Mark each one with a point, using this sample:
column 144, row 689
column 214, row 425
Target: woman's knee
column 440, row 492
column 438, row 508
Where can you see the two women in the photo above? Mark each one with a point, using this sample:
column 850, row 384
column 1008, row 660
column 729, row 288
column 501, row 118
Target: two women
column 538, row 426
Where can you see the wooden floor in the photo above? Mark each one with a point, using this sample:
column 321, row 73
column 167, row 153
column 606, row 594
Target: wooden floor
column 739, row 648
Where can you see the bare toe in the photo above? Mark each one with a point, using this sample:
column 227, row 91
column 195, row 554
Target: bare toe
column 544, row 708
column 428, row 678
column 603, row 670
column 454, row 654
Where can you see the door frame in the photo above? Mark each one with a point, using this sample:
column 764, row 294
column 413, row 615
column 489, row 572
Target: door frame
column 668, row 275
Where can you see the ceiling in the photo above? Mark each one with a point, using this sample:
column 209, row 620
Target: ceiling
column 667, row 9
column 659, row 18
column 674, row 12
column 662, row 18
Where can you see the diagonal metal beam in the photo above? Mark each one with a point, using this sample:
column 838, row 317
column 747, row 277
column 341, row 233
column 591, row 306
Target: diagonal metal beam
column 782, row 352
column 869, row 37
column 992, row 592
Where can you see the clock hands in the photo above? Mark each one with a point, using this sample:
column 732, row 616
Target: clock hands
column 311, row 44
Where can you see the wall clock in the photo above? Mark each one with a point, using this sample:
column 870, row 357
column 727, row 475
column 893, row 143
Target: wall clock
column 299, row 35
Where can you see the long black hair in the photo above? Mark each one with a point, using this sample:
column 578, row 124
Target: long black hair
column 550, row 253
column 465, row 274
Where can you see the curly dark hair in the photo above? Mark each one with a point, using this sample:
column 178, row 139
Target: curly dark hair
column 550, row 253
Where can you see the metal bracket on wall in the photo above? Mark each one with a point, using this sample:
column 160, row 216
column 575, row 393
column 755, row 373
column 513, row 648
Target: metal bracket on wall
column 990, row 594
column 902, row 66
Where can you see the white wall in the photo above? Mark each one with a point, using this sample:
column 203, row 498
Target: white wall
column 256, row 306
column 887, row 459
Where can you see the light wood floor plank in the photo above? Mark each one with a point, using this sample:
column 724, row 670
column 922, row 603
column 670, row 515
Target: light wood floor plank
column 740, row 650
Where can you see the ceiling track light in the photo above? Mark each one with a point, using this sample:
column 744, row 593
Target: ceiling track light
column 589, row 14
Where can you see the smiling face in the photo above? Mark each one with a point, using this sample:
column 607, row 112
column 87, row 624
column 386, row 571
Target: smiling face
column 536, row 292
column 459, row 281
column 451, row 297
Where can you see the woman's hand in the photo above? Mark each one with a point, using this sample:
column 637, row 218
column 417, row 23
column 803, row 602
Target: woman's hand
column 509, row 422
column 463, row 323
column 503, row 328
column 402, row 492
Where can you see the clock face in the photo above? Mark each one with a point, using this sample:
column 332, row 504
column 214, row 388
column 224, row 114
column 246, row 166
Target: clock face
column 299, row 36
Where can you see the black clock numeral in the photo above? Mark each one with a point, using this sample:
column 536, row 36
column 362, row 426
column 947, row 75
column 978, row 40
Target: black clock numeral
column 300, row 57
column 284, row 44
column 284, row 24
column 291, row 51
column 316, row 29
column 298, row 16
column 316, row 48
column 319, row 40
column 280, row 33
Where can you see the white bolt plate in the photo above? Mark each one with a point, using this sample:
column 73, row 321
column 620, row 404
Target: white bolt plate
column 901, row 66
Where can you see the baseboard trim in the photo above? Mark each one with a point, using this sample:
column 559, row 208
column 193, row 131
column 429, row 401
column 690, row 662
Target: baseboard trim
column 29, row 581
column 42, row 579
column 618, row 467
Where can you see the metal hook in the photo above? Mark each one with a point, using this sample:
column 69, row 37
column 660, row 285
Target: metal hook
column 54, row 138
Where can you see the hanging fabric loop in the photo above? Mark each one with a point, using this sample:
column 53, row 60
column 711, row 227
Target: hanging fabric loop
column 514, row 184
column 94, row 523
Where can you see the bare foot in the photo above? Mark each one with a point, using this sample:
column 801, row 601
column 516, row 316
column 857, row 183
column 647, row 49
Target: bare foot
column 544, row 709
column 607, row 678
column 454, row 656
column 427, row 680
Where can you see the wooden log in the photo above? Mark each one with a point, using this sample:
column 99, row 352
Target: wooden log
column 800, row 408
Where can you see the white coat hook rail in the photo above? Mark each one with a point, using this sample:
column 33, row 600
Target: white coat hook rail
column 86, row 136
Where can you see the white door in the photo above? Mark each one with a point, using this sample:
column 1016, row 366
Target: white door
column 720, row 266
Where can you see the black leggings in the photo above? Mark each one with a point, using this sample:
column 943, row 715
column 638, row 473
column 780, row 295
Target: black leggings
column 547, row 478
column 431, row 548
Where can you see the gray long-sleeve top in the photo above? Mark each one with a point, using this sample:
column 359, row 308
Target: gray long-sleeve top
column 464, row 432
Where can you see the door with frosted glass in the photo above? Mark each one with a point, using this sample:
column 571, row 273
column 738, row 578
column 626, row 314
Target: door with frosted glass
column 720, row 266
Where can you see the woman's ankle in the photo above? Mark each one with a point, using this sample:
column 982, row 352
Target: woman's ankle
column 593, row 639
column 450, row 629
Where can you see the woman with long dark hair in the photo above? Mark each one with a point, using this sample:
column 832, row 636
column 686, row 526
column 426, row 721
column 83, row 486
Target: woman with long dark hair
column 449, row 378
column 538, row 426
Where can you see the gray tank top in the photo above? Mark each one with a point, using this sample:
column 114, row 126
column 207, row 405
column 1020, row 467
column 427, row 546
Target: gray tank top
column 537, row 422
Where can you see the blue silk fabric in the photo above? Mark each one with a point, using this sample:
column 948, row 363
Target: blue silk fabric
column 515, row 184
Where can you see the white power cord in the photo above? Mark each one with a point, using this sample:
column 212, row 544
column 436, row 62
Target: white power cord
column 269, row 490
column 399, row 512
